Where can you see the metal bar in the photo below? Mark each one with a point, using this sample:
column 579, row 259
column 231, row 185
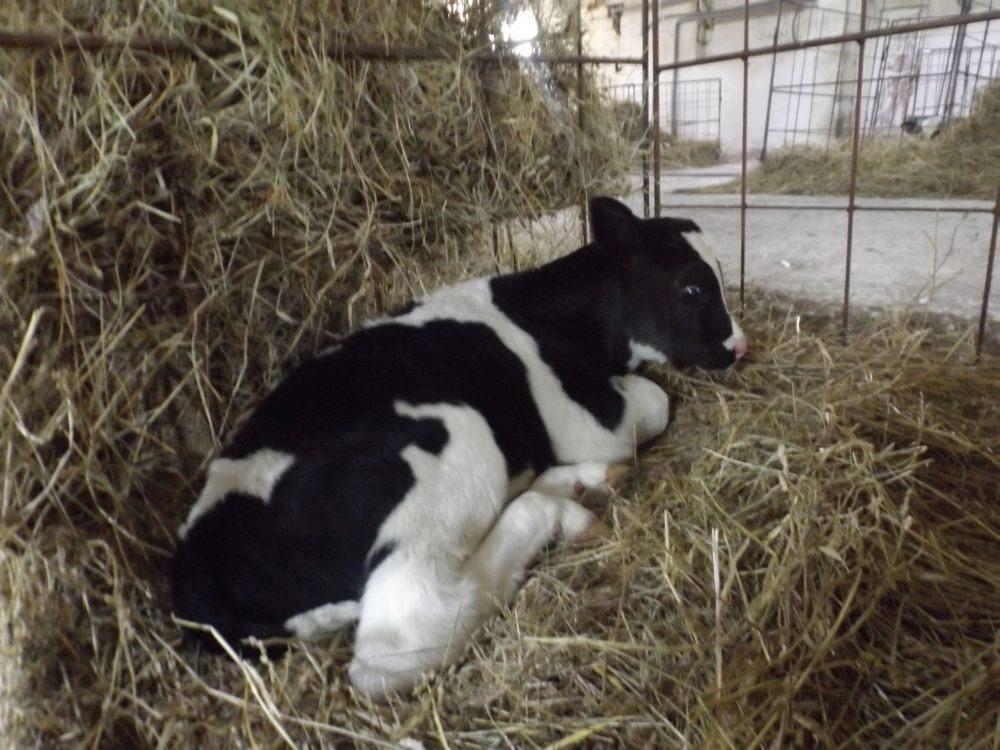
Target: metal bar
column 880, row 54
column 743, row 172
column 802, row 78
column 836, row 89
column 956, row 62
column 928, row 25
column 656, row 107
column 86, row 42
column 982, row 49
column 855, row 148
column 812, row 92
column 793, row 88
column 645, row 108
column 718, row 116
column 675, row 79
column 981, row 333
column 770, row 90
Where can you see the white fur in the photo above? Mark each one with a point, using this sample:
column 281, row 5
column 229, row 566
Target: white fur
column 418, row 613
column 449, row 569
column 575, row 433
column 564, row 481
column 737, row 338
column 639, row 353
column 254, row 475
column 326, row 618
column 327, row 351
column 457, row 495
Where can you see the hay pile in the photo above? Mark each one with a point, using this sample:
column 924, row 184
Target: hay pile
column 175, row 232
column 962, row 162
column 676, row 152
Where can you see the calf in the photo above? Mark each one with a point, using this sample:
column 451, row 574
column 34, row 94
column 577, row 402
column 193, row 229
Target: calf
column 407, row 478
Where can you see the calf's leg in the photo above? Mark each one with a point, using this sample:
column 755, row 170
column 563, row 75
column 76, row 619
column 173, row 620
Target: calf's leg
column 418, row 614
column 647, row 409
column 572, row 480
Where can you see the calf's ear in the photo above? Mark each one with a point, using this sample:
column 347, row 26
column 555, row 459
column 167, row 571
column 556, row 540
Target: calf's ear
column 612, row 222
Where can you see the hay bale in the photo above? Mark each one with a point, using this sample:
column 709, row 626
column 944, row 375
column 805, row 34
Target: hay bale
column 174, row 232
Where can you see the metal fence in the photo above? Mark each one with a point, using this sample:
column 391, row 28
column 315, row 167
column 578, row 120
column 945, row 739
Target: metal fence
column 862, row 37
column 811, row 101
column 695, row 111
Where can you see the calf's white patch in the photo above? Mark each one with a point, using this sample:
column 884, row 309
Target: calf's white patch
column 457, row 494
column 639, row 353
column 324, row 619
column 255, row 475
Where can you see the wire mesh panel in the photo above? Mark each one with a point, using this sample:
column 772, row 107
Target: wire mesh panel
column 692, row 109
column 690, row 113
column 933, row 77
column 909, row 77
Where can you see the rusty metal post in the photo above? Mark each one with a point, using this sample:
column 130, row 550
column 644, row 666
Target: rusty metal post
column 743, row 170
column 855, row 148
column 656, row 107
column 645, row 108
column 991, row 255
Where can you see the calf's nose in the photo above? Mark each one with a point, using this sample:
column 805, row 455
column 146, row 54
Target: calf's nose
column 737, row 342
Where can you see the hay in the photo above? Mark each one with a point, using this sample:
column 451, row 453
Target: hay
column 963, row 162
column 677, row 152
column 175, row 232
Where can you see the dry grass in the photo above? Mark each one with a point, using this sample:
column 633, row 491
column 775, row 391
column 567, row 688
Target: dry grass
column 176, row 232
column 963, row 162
column 680, row 153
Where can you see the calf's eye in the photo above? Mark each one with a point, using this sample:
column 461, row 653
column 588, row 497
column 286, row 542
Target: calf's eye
column 693, row 291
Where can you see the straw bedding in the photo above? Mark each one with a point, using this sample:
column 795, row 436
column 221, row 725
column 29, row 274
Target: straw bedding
column 808, row 559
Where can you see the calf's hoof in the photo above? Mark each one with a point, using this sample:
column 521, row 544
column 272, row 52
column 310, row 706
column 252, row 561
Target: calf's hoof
column 577, row 525
column 614, row 477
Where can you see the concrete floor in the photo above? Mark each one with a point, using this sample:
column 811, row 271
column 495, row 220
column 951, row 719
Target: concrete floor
column 925, row 260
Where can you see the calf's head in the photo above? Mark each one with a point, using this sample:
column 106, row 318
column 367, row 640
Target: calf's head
column 674, row 308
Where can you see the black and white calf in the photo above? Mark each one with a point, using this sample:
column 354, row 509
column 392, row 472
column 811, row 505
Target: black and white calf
column 406, row 479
